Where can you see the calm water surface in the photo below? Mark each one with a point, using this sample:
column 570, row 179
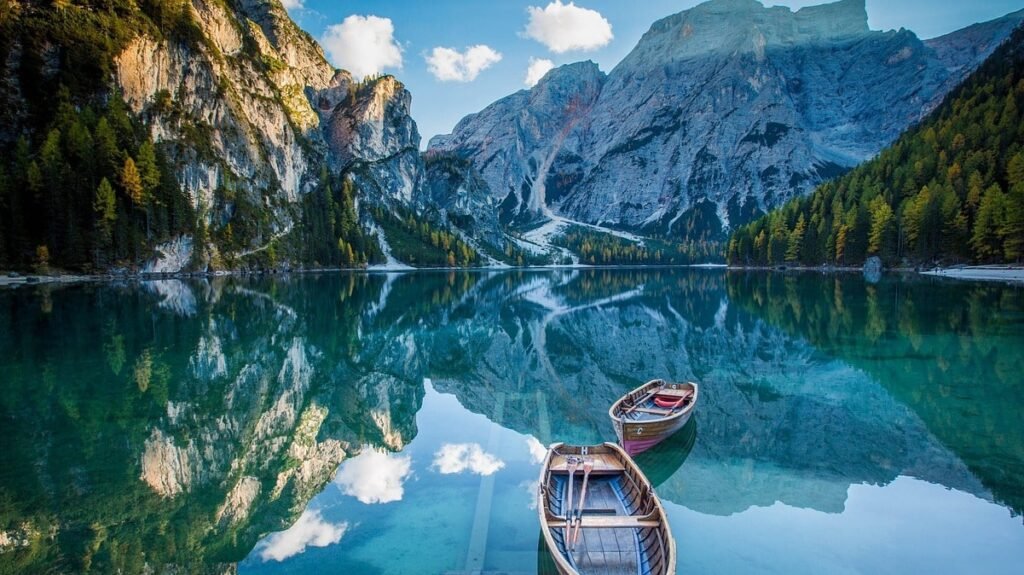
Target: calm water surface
column 393, row 424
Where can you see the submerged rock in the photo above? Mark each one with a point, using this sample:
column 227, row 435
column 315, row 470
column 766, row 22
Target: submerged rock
column 873, row 269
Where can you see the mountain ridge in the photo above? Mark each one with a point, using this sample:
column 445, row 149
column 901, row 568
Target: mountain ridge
column 265, row 155
column 949, row 189
column 228, row 141
column 688, row 138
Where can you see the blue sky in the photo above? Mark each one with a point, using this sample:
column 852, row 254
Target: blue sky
column 497, row 27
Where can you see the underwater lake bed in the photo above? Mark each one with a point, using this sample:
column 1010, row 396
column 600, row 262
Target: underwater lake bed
column 387, row 423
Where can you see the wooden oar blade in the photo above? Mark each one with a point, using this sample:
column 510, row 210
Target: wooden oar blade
column 588, row 466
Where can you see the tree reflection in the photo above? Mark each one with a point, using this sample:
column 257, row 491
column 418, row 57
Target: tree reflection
column 951, row 351
column 172, row 426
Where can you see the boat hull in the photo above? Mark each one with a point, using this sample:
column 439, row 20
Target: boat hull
column 638, row 435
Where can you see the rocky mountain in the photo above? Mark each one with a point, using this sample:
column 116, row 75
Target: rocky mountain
column 251, row 125
column 719, row 113
column 165, row 135
column 925, row 198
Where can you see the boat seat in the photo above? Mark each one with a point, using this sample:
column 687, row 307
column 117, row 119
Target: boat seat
column 653, row 411
column 675, row 392
column 614, row 522
column 600, row 511
column 603, row 464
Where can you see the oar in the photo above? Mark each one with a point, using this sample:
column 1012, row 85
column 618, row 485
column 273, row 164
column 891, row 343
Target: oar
column 568, row 512
column 680, row 402
column 587, row 467
column 642, row 401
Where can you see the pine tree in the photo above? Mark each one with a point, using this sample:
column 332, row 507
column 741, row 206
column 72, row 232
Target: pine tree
column 105, row 216
column 985, row 240
column 51, row 164
column 149, row 179
column 131, row 183
column 759, row 247
column 149, row 171
column 778, row 240
column 1015, row 169
column 796, row 238
column 881, row 227
column 1012, row 229
column 108, row 156
column 841, row 238
column 4, row 211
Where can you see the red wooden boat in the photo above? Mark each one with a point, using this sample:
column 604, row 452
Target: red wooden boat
column 652, row 412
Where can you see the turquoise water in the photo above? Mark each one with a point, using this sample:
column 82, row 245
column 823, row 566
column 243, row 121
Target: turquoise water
column 375, row 423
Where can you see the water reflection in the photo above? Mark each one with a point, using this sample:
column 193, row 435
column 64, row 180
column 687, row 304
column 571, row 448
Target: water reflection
column 374, row 476
column 309, row 530
column 951, row 352
column 663, row 461
column 191, row 424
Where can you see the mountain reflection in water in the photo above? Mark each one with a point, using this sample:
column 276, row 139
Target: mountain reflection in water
column 193, row 424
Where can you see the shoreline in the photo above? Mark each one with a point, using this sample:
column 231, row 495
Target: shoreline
column 1000, row 273
column 14, row 279
column 1006, row 273
column 997, row 273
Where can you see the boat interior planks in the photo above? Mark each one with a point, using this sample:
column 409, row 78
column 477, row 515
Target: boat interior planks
column 618, row 528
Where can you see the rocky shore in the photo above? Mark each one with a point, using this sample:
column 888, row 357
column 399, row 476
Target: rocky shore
column 1004, row 273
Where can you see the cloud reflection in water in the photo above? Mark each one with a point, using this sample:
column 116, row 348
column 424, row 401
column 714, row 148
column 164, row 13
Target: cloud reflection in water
column 309, row 531
column 459, row 457
column 374, row 477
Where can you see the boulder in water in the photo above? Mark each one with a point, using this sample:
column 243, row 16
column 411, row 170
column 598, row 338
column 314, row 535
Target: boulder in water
column 873, row 269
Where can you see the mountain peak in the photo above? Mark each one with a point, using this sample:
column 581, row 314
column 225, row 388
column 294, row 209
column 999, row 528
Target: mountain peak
column 741, row 25
column 569, row 75
column 836, row 20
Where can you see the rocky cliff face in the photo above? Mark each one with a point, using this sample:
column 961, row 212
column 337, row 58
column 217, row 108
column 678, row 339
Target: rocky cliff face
column 273, row 111
column 515, row 142
column 244, row 104
column 720, row 112
column 372, row 132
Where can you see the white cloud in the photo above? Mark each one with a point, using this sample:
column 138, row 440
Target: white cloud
column 537, row 450
column 363, row 45
column 449, row 65
column 565, row 27
column 292, row 4
column 459, row 457
column 535, row 71
column 309, row 531
column 531, row 486
column 374, row 477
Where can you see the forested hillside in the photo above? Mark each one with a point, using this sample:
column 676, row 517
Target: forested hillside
column 82, row 184
column 175, row 135
column 949, row 190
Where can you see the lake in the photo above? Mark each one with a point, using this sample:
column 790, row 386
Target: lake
column 394, row 423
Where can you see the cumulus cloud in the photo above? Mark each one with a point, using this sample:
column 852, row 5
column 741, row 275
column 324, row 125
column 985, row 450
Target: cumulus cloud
column 459, row 457
column 566, row 27
column 530, row 486
column 450, row 65
column 536, row 70
column 363, row 45
column 537, row 450
column 374, row 477
column 291, row 4
column 309, row 531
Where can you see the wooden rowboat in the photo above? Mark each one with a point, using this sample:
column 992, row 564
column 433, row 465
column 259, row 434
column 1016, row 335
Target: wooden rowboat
column 652, row 412
column 619, row 528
